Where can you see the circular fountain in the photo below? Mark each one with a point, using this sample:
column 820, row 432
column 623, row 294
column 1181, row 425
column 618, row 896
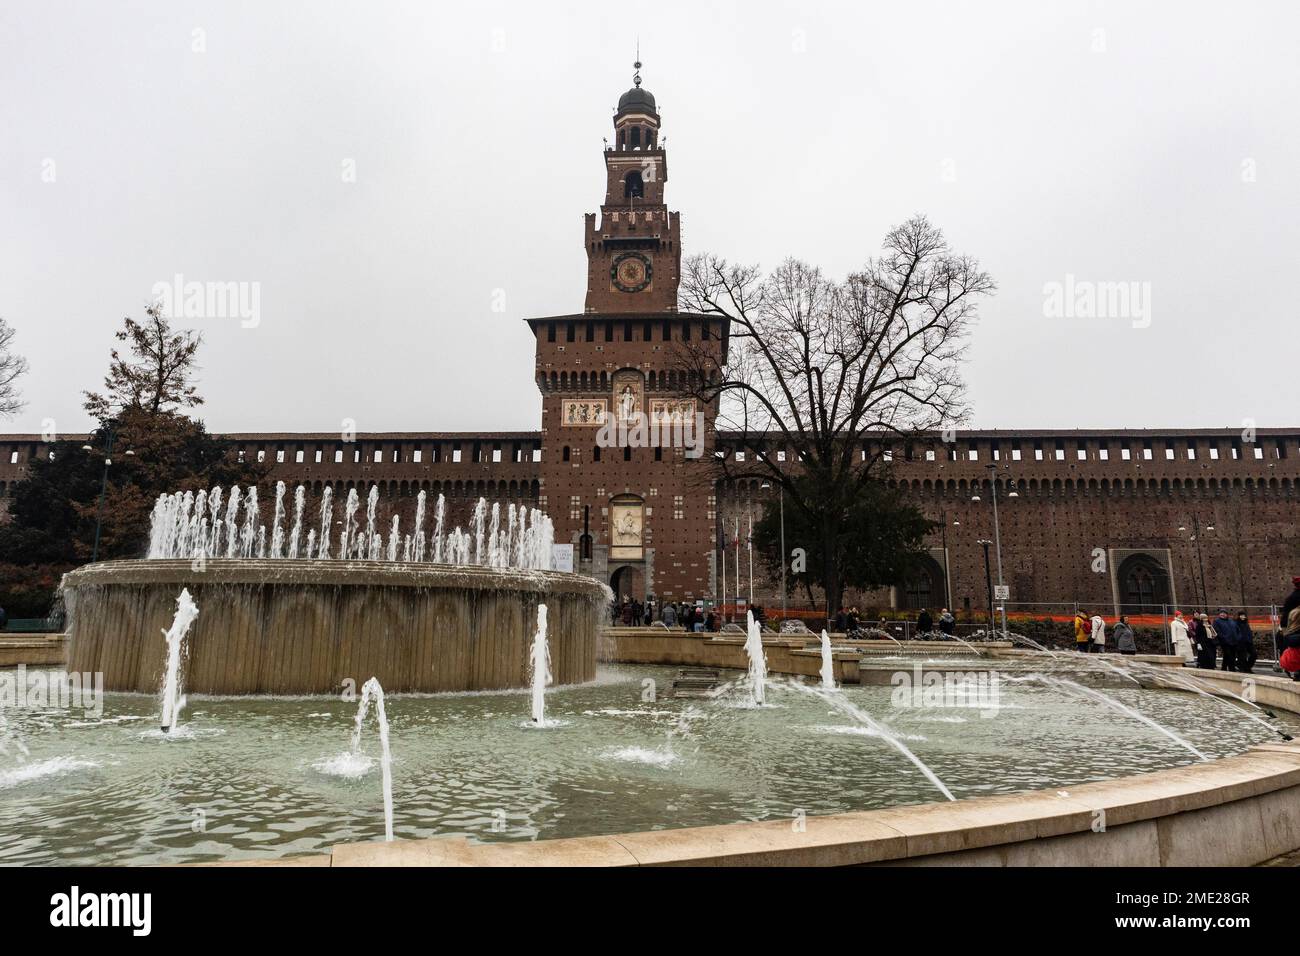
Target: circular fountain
column 304, row 626
column 291, row 627
column 281, row 614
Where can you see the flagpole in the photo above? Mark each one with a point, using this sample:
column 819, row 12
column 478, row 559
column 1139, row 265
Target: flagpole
column 737, row 527
column 749, row 549
column 722, row 605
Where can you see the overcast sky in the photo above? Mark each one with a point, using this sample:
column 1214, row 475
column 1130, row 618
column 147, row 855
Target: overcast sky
column 1146, row 143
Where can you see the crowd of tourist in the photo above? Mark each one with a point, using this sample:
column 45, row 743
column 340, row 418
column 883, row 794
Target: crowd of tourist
column 1224, row 641
column 1227, row 640
column 685, row 614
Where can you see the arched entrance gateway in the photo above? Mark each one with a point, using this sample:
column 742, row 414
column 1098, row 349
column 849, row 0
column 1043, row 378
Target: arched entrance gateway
column 1143, row 584
column 923, row 587
column 627, row 581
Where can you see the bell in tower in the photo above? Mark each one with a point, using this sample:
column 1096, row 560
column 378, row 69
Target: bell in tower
column 633, row 253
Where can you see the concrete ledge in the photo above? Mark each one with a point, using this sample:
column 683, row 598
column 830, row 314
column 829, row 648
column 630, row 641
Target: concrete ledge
column 785, row 655
column 1007, row 651
column 34, row 651
column 458, row 851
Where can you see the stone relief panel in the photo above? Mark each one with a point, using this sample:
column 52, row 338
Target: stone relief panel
column 672, row 411
column 585, row 411
column 626, row 514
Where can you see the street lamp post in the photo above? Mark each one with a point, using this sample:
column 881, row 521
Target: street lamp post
column 943, row 520
column 997, row 536
column 1200, row 560
column 947, row 588
column 103, row 489
column 988, row 577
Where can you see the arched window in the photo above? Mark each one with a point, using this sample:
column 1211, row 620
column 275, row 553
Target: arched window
column 633, row 187
column 1140, row 586
column 636, row 137
column 1143, row 585
column 923, row 587
column 917, row 594
column 565, row 456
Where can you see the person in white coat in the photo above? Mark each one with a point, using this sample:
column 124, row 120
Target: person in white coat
column 1182, row 643
column 1098, row 633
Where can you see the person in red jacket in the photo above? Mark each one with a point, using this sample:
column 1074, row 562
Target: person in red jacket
column 1291, row 603
column 1290, row 642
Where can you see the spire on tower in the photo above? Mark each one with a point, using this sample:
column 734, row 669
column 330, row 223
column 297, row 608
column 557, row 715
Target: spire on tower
column 636, row 77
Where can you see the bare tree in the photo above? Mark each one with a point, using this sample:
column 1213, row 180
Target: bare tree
column 12, row 367
column 158, row 377
column 833, row 372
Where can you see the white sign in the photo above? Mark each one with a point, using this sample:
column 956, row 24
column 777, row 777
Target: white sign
column 1002, row 592
column 561, row 557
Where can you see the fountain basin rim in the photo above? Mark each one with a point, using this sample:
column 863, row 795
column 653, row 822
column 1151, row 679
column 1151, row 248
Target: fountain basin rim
column 332, row 573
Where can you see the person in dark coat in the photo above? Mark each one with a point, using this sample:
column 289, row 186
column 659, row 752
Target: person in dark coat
column 924, row 623
column 1123, row 634
column 1203, row 642
column 947, row 623
column 1225, row 632
column 1246, row 653
column 840, row 621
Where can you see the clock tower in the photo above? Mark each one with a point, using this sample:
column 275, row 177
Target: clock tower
column 633, row 248
column 624, row 469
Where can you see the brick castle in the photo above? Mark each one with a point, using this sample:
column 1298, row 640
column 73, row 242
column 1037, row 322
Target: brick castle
column 1114, row 519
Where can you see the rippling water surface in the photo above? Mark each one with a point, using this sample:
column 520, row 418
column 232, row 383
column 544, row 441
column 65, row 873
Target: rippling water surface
column 266, row 777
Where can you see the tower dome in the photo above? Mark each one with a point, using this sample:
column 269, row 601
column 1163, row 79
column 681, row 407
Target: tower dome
column 636, row 121
column 637, row 100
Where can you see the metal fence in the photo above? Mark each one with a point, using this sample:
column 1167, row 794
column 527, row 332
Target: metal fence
column 1263, row 617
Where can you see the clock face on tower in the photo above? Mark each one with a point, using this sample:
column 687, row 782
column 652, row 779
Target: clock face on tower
column 631, row 272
